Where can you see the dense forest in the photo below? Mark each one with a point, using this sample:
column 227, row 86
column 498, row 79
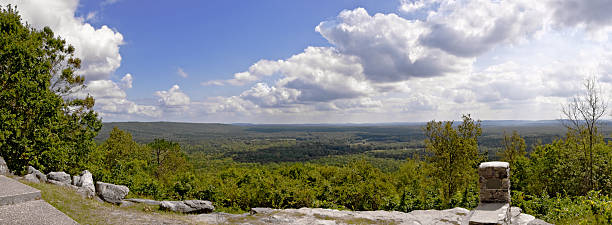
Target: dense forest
column 560, row 170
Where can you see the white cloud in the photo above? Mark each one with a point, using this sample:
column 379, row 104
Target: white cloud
column 126, row 81
column 318, row 74
column 112, row 102
column 98, row 48
column 470, row 28
column 388, row 46
column 424, row 67
column 173, row 97
column 435, row 60
column 182, row 73
column 266, row 96
column 411, row 6
column 592, row 14
column 213, row 83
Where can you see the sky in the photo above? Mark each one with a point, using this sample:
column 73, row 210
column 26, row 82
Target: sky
column 321, row 61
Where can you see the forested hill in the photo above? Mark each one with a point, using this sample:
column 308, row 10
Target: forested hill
column 193, row 133
column 180, row 132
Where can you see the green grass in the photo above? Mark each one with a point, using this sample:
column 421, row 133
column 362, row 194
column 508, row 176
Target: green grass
column 90, row 211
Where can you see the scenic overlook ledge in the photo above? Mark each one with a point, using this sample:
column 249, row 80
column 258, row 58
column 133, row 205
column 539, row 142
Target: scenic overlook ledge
column 442, row 112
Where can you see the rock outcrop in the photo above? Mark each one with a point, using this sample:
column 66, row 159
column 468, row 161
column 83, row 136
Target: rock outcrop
column 143, row 201
column 61, row 177
column 39, row 175
column 3, row 167
column 188, row 206
column 455, row 216
column 86, row 184
column 75, row 180
column 111, row 192
column 31, row 178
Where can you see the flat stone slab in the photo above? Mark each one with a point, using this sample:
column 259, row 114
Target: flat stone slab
column 143, row 201
column 33, row 212
column 13, row 192
column 490, row 214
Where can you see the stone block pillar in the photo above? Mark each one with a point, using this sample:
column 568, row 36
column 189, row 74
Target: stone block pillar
column 494, row 207
column 494, row 180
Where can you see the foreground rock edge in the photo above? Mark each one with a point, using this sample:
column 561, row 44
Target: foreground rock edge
column 333, row 216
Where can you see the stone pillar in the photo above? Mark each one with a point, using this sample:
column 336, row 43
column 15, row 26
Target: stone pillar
column 494, row 207
column 494, row 180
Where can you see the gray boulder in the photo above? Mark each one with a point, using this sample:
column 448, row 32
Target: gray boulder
column 111, row 192
column 87, row 184
column 61, row 177
column 143, row 201
column 57, row 183
column 3, row 167
column 188, row 206
column 520, row 218
column 538, row 222
column 41, row 176
column 31, row 178
column 260, row 210
column 75, row 180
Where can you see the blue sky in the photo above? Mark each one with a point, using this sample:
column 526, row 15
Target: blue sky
column 212, row 40
column 332, row 61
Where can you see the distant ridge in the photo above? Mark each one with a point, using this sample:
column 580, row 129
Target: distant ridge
column 484, row 122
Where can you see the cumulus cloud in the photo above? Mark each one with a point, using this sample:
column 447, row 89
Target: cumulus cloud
column 126, row 81
column 388, row 46
column 379, row 48
column 266, row 96
column 173, row 97
column 592, row 14
column 111, row 100
column 437, row 58
column 98, row 48
column 389, row 63
column 318, row 74
column 366, row 103
column 470, row 28
column 411, row 6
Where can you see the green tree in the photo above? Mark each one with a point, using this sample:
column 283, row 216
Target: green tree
column 454, row 154
column 514, row 153
column 553, row 168
column 42, row 123
column 120, row 160
column 514, row 147
column 166, row 158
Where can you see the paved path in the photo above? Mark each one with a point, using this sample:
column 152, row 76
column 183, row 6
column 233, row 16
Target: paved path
column 21, row 204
